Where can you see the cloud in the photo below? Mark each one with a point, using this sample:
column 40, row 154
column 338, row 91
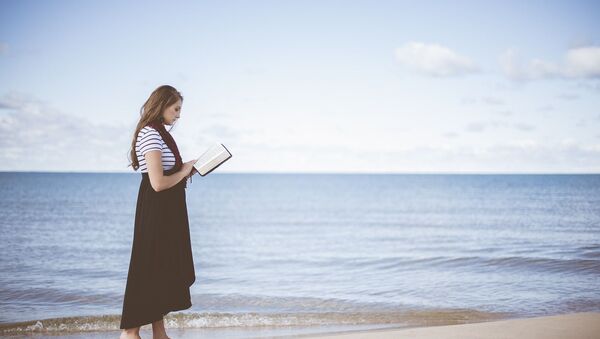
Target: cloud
column 519, row 156
column 567, row 152
column 546, row 108
column 467, row 101
column 583, row 62
column 580, row 62
column 504, row 112
column 589, row 86
column 581, row 123
column 451, row 135
column 36, row 137
column 4, row 105
column 475, row 127
column 479, row 126
column 434, row 60
column 523, row 127
column 488, row 100
column 493, row 101
column 568, row 96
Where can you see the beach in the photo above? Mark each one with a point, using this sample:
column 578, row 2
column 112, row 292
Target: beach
column 583, row 325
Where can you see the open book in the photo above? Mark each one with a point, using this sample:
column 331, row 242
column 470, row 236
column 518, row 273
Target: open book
column 212, row 158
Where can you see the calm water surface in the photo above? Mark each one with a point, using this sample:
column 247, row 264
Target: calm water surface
column 308, row 249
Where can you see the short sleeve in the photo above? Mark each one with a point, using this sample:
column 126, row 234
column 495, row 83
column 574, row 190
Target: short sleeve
column 150, row 141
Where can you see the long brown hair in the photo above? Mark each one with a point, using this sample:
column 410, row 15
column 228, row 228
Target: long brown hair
column 152, row 110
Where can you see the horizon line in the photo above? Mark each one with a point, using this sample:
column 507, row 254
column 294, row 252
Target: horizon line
column 331, row 173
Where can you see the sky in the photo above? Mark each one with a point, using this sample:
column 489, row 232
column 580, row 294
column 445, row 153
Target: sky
column 306, row 86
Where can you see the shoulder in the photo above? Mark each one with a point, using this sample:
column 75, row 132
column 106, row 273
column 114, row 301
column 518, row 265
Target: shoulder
column 147, row 129
column 148, row 132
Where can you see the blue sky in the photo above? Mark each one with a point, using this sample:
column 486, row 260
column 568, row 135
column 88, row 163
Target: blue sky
column 306, row 86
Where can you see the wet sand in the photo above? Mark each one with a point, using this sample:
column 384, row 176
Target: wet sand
column 572, row 326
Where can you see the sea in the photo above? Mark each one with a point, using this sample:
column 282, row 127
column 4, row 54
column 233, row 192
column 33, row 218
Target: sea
column 289, row 254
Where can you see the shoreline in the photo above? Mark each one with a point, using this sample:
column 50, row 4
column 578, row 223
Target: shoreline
column 578, row 325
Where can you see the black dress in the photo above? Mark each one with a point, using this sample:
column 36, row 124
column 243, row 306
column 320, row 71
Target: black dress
column 161, row 268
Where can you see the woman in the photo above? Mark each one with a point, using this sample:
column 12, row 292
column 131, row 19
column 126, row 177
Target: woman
column 161, row 268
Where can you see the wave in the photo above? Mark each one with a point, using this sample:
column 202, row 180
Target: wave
column 518, row 263
column 408, row 318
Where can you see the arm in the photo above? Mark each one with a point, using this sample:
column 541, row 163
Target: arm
column 158, row 181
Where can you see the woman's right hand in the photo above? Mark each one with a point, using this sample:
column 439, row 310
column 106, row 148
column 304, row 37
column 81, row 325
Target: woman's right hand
column 188, row 166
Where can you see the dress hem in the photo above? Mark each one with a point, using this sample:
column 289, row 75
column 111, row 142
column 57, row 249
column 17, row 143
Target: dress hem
column 164, row 313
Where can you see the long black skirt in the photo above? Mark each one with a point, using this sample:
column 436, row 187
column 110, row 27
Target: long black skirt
column 161, row 268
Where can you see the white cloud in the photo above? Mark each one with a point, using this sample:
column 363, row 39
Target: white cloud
column 581, row 62
column 479, row 126
column 489, row 100
column 495, row 101
column 523, row 127
column 475, row 127
column 568, row 96
column 518, row 156
column 434, row 60
column 504, row 112
column 36, row 137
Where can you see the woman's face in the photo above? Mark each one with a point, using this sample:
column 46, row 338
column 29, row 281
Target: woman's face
column 171, row 113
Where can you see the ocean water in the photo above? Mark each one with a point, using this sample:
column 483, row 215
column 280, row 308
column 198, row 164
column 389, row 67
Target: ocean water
column 302, row 250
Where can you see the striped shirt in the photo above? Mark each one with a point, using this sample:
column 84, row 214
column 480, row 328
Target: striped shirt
column 149, row 139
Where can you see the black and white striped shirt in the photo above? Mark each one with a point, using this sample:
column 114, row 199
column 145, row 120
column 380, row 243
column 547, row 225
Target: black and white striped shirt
column 149, row 139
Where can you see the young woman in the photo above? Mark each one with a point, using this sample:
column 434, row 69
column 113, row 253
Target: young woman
column 161, row 268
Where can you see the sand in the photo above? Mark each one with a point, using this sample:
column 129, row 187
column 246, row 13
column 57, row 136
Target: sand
column 570, row 326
